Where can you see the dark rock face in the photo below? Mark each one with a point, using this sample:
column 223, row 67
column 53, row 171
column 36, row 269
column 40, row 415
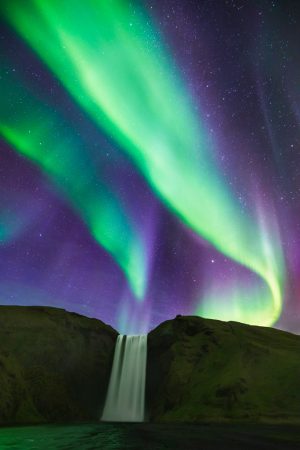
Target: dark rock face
column 207, row 370
column 54, row 365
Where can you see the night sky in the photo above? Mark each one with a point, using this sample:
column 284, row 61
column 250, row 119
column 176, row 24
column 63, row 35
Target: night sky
column 150, row 159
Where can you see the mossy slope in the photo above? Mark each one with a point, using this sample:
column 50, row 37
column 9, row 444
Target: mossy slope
column 54, row 365
column 208, row 370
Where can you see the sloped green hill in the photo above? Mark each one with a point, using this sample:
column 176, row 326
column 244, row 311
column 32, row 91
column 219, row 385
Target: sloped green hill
column 54, row 365
column 208, row 370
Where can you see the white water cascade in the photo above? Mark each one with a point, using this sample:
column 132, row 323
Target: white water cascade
column 125, row 399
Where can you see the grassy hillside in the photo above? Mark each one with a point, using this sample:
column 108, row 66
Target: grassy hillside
column 208, row 370
column 54, row 365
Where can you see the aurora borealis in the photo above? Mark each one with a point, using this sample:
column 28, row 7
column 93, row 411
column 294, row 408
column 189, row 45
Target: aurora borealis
column 150, row 154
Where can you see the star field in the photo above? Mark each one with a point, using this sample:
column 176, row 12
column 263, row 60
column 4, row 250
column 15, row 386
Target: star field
column 150, row 159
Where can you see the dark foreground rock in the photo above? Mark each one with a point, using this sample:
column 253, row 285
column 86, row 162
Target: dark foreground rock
column 202, row 370
column 54, row 365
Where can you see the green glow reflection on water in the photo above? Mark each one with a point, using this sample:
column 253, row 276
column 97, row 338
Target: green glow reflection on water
column 146, row 436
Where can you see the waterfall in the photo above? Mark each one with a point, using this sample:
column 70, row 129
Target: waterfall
column 125, row 399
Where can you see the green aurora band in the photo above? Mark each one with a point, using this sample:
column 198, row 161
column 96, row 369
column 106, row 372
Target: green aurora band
column 113, row 62
column 39, row 133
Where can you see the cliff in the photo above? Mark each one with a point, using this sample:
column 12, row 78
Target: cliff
column 211, row 371
column 54, row 365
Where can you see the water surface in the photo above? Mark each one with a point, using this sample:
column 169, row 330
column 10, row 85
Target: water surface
column 107, row 436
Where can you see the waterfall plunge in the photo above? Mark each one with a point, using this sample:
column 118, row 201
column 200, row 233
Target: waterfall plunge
column 125, row 399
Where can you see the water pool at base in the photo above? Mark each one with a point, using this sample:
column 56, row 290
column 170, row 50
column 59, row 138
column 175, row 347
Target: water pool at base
column 109, row 436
